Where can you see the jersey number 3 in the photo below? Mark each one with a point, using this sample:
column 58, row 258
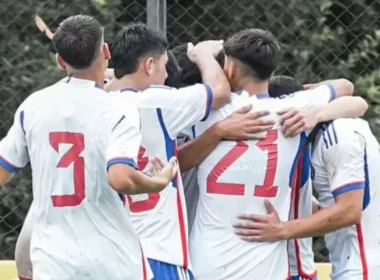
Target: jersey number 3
column 152, row 198
column 267, row 189
column 70, row 157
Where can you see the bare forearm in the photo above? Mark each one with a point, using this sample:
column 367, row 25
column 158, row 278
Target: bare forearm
column 134, row 182
column 324, row 221
column 346, row 106
column 194, row 152
column 213, row 75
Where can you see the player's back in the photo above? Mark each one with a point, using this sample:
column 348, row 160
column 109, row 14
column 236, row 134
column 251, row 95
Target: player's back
column 236, row 178
column 160, row 219
column 82, row 230
column 355, row 250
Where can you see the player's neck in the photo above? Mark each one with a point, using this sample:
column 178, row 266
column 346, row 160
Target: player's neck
column 253, row 87
column 130, row 81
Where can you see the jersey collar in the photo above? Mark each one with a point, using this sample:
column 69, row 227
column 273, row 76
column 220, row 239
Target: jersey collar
column 76, row 81
column 263, row 95
column 128, row 89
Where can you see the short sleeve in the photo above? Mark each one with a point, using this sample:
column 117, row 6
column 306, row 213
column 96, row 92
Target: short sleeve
column 320, row 95
column 182, row 107
column 343, row 153
column 124, row 141
column 13, row 148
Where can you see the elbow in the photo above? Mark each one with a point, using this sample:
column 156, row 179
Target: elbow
column 362, row 105
column 347, row 87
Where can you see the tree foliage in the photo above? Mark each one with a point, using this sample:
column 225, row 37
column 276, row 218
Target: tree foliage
column 321, row 39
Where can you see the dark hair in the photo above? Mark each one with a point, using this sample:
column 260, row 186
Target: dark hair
column 283, row 85
column 181, row 71
column 133, row 43
column 78, row 40
column 257, row 50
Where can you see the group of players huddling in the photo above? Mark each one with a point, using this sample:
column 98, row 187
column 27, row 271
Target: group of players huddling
column 109, row 202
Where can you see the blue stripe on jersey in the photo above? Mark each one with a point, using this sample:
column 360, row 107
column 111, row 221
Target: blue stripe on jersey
column 22, row 117
column 165, row 271
column 302, row 278
column 262, row 95
column 121, row 119
column 193, row 131
column 295, row 160
column 210, row 97
column 306, row 166
column 169, row 143
column 333, row 92
column 122, row 160
column 348, row 187
column 367, row 194
column 128, row 89
column 8, row 166
column 329, row 134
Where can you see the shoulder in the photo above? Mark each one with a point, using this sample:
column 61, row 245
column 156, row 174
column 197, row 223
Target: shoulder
column 40, row 97
column 342, row 133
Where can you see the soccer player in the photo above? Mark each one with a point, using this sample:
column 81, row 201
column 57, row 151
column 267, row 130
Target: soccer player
column 345, row 158
column 301, row 255
column 81, row 148
column 241, row 125
column 233, row 173
column 140, row 57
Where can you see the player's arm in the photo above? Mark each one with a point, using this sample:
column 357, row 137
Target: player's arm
column 344, row 159
column 13, row 148
column 122, row 150
column 308, row 107
column 345, row 163
column 240, row 125
column 295, row 121
column 203, row 55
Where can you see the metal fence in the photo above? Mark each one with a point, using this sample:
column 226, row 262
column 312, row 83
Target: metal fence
column 321, row 39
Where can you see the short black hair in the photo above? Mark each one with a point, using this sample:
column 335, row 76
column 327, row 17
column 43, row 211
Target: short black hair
column 258, row 51
column 78, row 40
column 283, row 85
column 133, row 43
column 181, row 71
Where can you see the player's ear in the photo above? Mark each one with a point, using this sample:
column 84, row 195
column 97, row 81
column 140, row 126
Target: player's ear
column 106, row 52
column 229, row 68
column 148, row 65
column 60, row 62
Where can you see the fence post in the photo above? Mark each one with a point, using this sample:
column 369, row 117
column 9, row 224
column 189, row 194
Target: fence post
column 156, row 14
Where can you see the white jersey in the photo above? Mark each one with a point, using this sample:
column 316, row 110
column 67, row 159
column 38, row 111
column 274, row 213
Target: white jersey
column 236, row 178
column 71, row 133
column 191, row 188
column 160, row 219
column 301, row 255
column 346, row 156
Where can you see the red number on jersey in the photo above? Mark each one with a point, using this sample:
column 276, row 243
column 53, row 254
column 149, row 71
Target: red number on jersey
column 153, row 198
column 267, row 189
column 70, row 157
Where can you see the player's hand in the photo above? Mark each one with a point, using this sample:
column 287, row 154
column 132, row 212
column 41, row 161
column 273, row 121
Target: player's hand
column 163, row 173
column 268, row 228
column 295, row 121
column 244, row 125
column 202, row 49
